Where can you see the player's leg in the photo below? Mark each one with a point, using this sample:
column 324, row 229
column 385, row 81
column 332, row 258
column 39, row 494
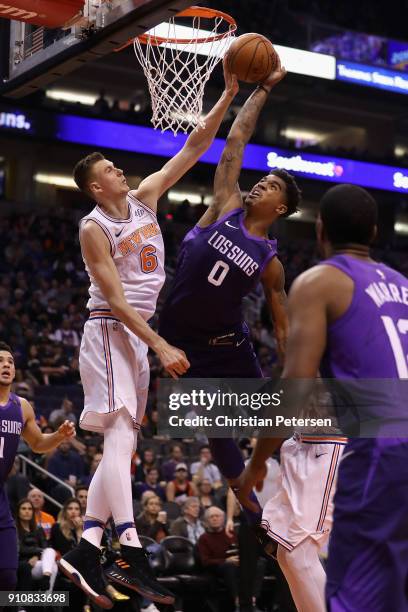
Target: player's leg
column 8, row 542
column 132, row 569
column 305, row 575
column 236, row 361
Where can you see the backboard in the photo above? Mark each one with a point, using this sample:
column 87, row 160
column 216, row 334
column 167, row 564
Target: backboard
column 37, row 55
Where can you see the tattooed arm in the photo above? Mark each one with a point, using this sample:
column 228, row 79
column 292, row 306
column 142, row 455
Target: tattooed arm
column 227, row 195
column 273, row 281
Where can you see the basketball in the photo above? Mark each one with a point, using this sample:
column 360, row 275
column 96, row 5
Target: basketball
column 252, row 58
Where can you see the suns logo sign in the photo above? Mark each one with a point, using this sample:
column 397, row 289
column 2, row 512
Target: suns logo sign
column 14, row 120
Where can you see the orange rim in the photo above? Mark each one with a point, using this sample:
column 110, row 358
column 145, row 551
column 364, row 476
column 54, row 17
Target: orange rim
column 192, row 11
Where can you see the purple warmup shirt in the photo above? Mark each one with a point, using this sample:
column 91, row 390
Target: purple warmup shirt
column 217, row 267
column 371, row 339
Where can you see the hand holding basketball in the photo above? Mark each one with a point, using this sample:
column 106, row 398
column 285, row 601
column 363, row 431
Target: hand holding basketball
column 231, row 81
column 274, row 77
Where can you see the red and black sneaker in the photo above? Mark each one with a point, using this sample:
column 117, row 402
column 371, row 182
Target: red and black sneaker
column 82, row 565
column 133, row 571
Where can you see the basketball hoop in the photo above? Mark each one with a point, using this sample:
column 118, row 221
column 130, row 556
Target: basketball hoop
column 177, row 62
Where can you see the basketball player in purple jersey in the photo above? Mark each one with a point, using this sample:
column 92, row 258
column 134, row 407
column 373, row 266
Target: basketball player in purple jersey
column 17, row 419
column 349, row 317
column 221, row 260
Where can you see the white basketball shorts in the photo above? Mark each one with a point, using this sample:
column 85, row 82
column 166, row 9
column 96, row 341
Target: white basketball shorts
column 303, row 505
column 114, row 371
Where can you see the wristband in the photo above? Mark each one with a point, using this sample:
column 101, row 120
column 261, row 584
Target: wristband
column 260, row 86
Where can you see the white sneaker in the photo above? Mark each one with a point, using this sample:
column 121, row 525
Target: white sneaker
column 150, row 608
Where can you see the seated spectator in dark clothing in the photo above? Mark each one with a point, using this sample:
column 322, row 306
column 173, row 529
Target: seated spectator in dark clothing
column 17, row 485
column 205, row 494
column 67, row 531
column 36, row 560
column 140, row 466
column 65, row 535
column 43, row 519
column 219, row 552
column 86, row 480
column 67, row 464
column 189, row 525
column 151, row 484
column 180, row 488
column 168, row 467
column 149, row 428
column 152, row 522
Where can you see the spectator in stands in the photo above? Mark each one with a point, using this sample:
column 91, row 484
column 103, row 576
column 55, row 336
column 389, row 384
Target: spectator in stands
column 66, row 335
column 152, row 521
column 149, row 427
column 65, row 412
column 189, row 525
column 67, row 464
column 42, row 519
column 218, row 551
column 205, row 494
column 81, row 494
column 86, row 480
column 180, row 488
column 205, row 468
column 151, row 484
column 67, row 531
column 17, row 485
column 168, row 467
column 36, row 559
column 65, row 535
column 91, row 448
column 140, row 466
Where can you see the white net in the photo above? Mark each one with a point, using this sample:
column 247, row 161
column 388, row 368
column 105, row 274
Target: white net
column 178, row 69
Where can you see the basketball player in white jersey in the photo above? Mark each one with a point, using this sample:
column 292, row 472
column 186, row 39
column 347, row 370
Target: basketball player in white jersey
column 123, row 251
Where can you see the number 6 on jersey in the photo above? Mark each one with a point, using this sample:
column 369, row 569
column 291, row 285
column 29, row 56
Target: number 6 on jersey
column 148, row 259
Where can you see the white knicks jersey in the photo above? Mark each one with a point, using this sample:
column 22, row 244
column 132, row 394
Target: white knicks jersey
column 137, row 249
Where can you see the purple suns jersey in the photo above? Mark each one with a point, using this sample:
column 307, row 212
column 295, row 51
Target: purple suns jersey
column 217, row 267
column 371, row 339
column 11, row 426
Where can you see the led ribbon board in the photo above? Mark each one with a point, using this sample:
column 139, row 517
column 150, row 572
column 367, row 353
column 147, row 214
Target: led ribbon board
column 372, row 76
column 103, row 134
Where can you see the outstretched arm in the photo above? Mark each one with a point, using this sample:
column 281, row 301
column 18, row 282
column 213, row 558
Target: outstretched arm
column 38, row 441
column 226, row 191
column 200, row 139
column 273, row 281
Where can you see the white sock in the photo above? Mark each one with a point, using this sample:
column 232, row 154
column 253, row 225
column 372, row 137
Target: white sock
column 97, row 509
column 305, row 575
column 119, row 441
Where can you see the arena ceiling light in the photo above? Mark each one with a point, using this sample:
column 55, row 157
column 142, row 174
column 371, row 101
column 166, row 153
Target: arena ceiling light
column 305, row 135
column 87, row 99
column 55, row 179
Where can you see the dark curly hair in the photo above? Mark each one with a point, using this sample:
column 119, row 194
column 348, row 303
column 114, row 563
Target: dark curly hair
column 293, row 193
